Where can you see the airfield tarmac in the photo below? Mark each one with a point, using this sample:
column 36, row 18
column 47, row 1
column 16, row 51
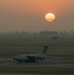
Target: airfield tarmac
column 51, row 65
column 59, row 58
column 62, row 64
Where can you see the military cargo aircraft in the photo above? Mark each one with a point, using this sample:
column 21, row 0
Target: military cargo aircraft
column 31, row 57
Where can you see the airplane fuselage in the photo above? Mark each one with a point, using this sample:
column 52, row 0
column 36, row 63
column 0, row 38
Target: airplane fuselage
column 31, row 57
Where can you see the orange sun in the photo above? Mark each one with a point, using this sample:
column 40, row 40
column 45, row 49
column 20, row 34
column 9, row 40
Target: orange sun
column 50, row 17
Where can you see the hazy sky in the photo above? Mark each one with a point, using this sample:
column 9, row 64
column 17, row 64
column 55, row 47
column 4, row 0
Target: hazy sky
column 29, row 15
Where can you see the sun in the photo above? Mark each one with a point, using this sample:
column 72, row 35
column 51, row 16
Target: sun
column 50, row 17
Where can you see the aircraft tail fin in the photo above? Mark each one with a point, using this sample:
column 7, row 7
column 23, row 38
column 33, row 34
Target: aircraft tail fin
column 45, row 49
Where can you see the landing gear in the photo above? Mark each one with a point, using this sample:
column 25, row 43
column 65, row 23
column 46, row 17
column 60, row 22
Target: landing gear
column 34, row 60
column 20, row 61
column 30, row 61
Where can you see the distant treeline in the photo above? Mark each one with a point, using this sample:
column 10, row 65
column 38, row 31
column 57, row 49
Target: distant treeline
column 45, row 32
column 48, row 32
column 34, row 33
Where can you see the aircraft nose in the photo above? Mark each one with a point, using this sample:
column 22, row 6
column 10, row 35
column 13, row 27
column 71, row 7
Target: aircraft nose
column 14, row 58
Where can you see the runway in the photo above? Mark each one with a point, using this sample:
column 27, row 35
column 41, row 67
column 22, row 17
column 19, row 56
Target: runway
column 48, row 66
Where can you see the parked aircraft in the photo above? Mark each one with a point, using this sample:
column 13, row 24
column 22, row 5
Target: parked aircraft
column 31, row 57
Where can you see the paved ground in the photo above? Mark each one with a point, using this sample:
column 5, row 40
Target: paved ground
column 52, row 65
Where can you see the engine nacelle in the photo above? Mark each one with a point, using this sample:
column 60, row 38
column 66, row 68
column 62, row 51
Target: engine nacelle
column 40, row 58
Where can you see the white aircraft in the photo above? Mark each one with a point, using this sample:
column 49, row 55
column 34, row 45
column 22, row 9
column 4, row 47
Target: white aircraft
column 31, row 57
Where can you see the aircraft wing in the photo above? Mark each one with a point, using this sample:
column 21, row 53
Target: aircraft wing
column 31, row 56
column 36, row 57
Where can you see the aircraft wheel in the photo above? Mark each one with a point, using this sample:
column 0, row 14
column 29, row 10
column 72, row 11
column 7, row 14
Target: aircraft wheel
column 25, row 61
column 34, row 61
column 20, row 61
